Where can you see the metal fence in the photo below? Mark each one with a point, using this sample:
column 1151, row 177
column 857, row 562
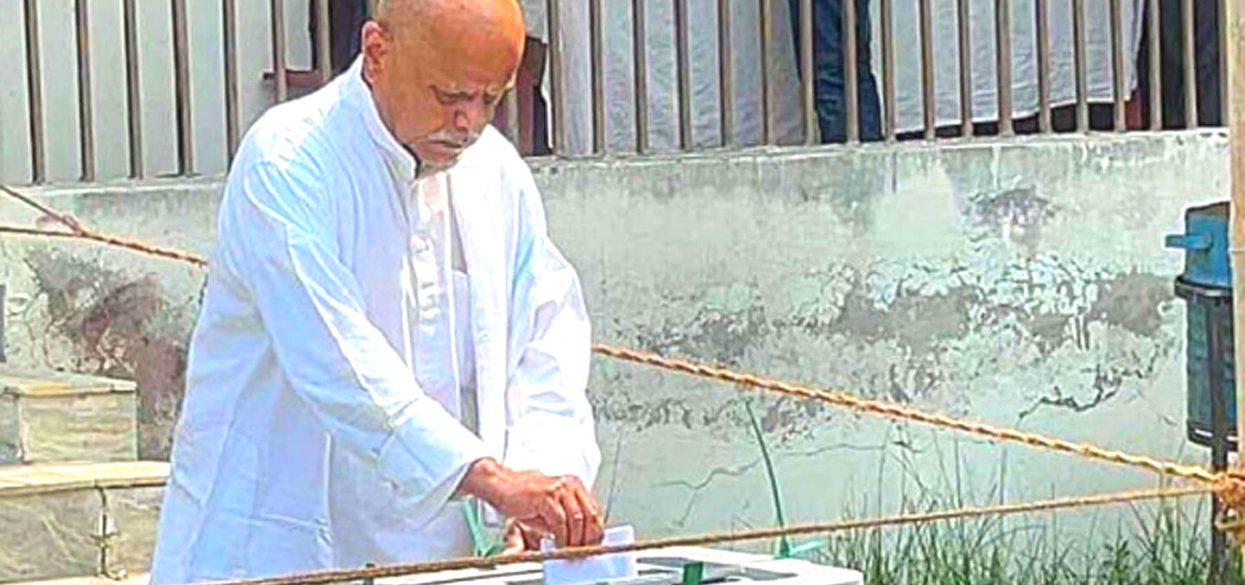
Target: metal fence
column 1004, row 18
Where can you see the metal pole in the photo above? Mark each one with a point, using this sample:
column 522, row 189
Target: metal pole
column 1003, row 46
column 181, row 85
column 1156, row 66
column 1043, row 47
column 34, row 87
column 86, row 109
column 767, row 89
column 929, row 103
column 1219, row 426
column 230, row 28
column 726, row 74
column 1082, row 67
column 596, row 31
column 684, row 64
column 1234, row 19
column 278, row 49
column 808, row 80
column 324, row 45
column 966, row 68
column 1117, row 65
column 888, row 68
column 1190, row 65
column 851, row 74
column 133, row 91
column 557, row 107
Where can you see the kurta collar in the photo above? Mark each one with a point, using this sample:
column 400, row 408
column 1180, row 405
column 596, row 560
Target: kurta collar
column 397, row 157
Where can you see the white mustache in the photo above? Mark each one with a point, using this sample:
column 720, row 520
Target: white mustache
column 458, row 140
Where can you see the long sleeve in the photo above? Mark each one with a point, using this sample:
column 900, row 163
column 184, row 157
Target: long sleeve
column 552, row 427
column 280, row 244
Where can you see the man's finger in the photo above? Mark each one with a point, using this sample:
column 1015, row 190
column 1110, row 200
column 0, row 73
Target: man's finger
column 554, row 518
column 594, row 529
column 515, row 543
column 574, row 517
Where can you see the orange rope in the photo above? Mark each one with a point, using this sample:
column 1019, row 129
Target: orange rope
column 402, row 570
column 891, row 410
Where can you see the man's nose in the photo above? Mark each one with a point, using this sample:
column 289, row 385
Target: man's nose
column 470, row 117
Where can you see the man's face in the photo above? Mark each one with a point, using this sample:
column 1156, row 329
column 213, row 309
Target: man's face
column 437, row 90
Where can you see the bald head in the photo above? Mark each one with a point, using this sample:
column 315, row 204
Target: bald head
column 437, row 69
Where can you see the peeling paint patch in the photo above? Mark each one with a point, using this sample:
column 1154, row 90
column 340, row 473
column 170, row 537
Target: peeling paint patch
column 1014, row 215
column 1131, row 301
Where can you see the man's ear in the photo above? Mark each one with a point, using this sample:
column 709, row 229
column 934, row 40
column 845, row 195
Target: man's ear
column 375, row 43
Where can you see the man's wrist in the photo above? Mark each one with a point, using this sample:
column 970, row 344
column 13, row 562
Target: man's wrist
column 484, row 478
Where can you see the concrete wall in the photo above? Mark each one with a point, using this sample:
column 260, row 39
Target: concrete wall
column 1022, row 283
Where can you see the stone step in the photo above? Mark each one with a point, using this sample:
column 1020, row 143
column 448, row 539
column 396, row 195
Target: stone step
column 52, row 416
column 68, row 520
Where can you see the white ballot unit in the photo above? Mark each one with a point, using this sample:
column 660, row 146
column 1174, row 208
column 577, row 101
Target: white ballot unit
column 658, row 567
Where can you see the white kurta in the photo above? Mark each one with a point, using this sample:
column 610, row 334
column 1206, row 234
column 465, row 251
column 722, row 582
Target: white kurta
column 307, row 439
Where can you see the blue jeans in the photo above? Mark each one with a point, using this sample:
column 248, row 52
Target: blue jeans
column 830, row 98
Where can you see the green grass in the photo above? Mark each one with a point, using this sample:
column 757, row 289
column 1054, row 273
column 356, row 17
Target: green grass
column 1165, row 546
column 1163, row 543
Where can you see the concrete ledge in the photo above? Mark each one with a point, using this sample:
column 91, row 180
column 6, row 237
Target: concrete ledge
column 25, row 480
column 54, row 416
column 73, row 520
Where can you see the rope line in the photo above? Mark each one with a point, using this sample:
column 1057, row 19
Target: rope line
column 407, row 569
column 892, row 410
column 111, row 241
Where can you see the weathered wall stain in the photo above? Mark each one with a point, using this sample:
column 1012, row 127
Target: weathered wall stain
column 116, row 325
column 914, row 322
column 1015, row 215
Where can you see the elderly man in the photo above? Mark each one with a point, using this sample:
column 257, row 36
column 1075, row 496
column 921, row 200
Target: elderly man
column 388, row 334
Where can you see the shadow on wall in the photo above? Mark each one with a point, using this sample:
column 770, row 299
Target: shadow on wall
column 105, row 322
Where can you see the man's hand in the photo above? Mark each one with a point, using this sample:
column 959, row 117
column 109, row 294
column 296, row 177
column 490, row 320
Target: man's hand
column 520, row 539
column 560, row 506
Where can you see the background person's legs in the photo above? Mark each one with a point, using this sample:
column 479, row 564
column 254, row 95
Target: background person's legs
column 828, row 48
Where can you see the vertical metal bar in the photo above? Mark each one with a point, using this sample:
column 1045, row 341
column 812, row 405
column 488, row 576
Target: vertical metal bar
column 1234, row 78
column 1219, row 426
column 1156, row 65
column 929, row 103
column 767, row 89
column 1223, row 62
column 558, row 105
column 1043, row 47
column 639, row 54
column 86, row 110
column 278, row 49
column 1117, row 65
column 133, row 90
column 851, row 73
column 726, row 74
column 808, row 79
column 230, row 29
column 34, row 86
column 1003, row 48
column 1190, row 65
column 888, row 68
column 1082, row 65
column 684, row 73
column 966, row 68
column 324, row 45
column 181, row 85
column 371, row 8
column 510, row 105
column 596, row 31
